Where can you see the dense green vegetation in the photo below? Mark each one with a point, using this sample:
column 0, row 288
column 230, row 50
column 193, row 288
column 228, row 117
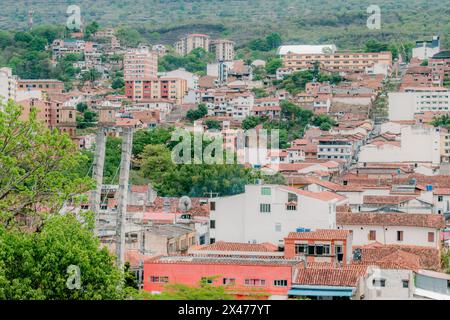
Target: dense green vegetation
column 340, row 21
column 442, row 121
column 195, row 61
column 292, row 124
column 297, row 81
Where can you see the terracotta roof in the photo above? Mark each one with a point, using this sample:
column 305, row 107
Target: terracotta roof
column 320, row 234
column 327, row 276
column 442, row 191
column 391, row 219
column 237, row 246
column 211, row 260
column 324, row 195
column 387, row 199
column 379, row 254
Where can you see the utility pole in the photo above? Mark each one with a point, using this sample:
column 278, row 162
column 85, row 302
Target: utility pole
column 97, row 170
column 122, row 202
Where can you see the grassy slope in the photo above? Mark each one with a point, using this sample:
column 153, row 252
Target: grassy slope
column 339, row 21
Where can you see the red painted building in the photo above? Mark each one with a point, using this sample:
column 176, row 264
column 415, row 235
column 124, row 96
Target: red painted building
column 320, row 246
column 242, row 275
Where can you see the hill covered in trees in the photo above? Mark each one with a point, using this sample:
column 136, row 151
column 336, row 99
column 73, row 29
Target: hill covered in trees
column 340, row 21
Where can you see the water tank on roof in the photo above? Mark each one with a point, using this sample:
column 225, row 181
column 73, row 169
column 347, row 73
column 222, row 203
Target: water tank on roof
column 429, row 187
column 303, row 230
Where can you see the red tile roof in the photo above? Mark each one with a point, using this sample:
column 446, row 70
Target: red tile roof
column 387, row 199
column 442, row 191
column 391, row 219
column 320, row 234
column 327, row 276
column 324, row 195
column 394, row 255
column 237, row 246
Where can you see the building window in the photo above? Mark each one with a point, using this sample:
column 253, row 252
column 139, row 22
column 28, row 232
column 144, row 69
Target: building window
column 277, row 227
column 372, row 235
column 280, row 283
column 292, row 197
column 440, row 198
column 430, row 236
column 158, row 279
column 255, row 282
column 405, row 283
column 229, row 281
column 399, row 235
column 291, row 207
column 212, row 240
column 380, row 283
column 265, row 191
column 301, row 248
column 264, row 208
column 212, row 205
column 212, row 224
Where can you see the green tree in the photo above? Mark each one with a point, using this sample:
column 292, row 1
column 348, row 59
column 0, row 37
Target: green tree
column 35, row 265
column 195, row 114
column 273, row 64
column 91, row 29
column 213, row 124
column 250, row 122
column 37, row 166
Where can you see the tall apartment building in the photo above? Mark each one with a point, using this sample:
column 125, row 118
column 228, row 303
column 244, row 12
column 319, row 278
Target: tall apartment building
column 47, row 85
column 223, row 49
column 346, row 62
column 8, row 84
column 140, row 64
column 191, row 42
column 404, row 105
column 156, row 89
column 440, row 68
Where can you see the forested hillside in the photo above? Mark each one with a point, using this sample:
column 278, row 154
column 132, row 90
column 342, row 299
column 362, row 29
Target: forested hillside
column 340, row 21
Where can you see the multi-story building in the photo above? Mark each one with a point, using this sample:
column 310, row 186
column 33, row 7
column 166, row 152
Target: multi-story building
column 445, row 145
column 342, row 62
column 404, row 105
column 8, row 84
column 393, row 228
column 267, row 213
column 425, row 49
column 440, row 66
column 323, row 245
column 140, row 64
column 191, row 42
column 335, row 147
column 223, row 49
column 156, row 89
column 47, row 85
column 441, row 201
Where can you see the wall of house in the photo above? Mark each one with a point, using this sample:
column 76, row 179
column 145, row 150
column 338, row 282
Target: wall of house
column 417, row 236
column 238, row 218
column 393, row 289
column 191, row 274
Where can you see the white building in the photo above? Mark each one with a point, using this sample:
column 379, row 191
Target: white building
column 404, row 105
column 417, row 144
column 267, row 213
column 426, row 49
column 393, row 228
column 8, row 85
column 441, row 200
column 191, row 78
column 307, row 49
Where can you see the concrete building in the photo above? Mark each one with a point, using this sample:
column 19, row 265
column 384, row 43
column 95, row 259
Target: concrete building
column 426, row 49
column 306, row 49
column 45, row 85
column 223, row 49
column 140, row 64
column 393, row 228
column 156, row 89
column 191, row 42
column 168, row 239
column 405, row 105
column 441, row 201
column 267, row 213
column 418, row 144
column 322, row 246
column 342, row 62
column 8, row 85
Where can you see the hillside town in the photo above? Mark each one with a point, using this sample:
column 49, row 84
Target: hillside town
column 358, row 203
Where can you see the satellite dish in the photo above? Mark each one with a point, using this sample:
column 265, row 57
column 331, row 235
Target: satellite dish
column 185, row 203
